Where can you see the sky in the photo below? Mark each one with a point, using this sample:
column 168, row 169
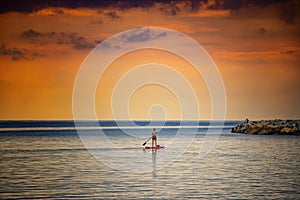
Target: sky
column 254, row 44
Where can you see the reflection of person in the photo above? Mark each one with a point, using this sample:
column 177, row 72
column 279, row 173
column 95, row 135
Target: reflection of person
column 154, row 139
column 154, row 163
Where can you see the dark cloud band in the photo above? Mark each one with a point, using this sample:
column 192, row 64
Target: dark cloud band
column 33, row 5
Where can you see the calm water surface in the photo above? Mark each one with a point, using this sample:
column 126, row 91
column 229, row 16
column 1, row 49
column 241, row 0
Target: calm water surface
column 54, row 164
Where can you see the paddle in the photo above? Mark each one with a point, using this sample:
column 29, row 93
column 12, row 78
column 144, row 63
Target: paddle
column 146, row 141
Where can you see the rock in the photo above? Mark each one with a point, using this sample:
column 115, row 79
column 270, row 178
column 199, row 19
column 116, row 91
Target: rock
column 288, row 130
column 253, row 130
column 244, row 128
column 264, row 132
column 267, row 127
column 260, row 125
column 274, row 128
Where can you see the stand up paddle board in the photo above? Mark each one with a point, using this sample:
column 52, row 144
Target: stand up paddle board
column 157, row 147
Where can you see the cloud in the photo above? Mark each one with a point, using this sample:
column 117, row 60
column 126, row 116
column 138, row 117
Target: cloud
column 233, row 4
column 170, row 9
column 96, row 22
column 18, row 54
column 195, row 6
column 262, row 31
column 142, row 35
column 112, row 15
column 289, row 12
column 58, row 11
column 211, row 13
column 290, row 53
column 50, row 12
column 78, row 42
column 33, row 5
column 29, row 6
column 127, row 4
column 30, row 34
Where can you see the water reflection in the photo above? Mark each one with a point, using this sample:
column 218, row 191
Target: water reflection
column 154, row 162
column 239, row 167
column 154, row 151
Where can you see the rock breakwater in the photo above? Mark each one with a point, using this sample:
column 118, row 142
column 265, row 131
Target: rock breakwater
column 268, row 127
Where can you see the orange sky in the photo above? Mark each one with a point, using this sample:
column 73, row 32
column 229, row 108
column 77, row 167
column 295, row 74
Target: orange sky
column 256, row 49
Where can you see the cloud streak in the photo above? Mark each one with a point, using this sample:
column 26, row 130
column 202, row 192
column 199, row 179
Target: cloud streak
column 78, row 42
column 113, row 15
column 292, row 53
column 17, row 54
column 142, row 35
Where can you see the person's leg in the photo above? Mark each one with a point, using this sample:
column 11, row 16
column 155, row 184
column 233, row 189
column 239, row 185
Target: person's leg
column 156, row 142
column 152, row 142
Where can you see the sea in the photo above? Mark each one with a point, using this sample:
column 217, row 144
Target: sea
column 107, row 160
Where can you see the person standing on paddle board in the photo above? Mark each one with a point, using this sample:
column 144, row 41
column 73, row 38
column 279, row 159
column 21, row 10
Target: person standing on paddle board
column 154, row 138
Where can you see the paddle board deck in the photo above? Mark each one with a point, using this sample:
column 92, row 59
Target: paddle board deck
column 157, row 147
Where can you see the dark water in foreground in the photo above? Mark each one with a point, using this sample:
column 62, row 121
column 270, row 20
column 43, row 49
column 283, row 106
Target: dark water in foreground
column 45, row 160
